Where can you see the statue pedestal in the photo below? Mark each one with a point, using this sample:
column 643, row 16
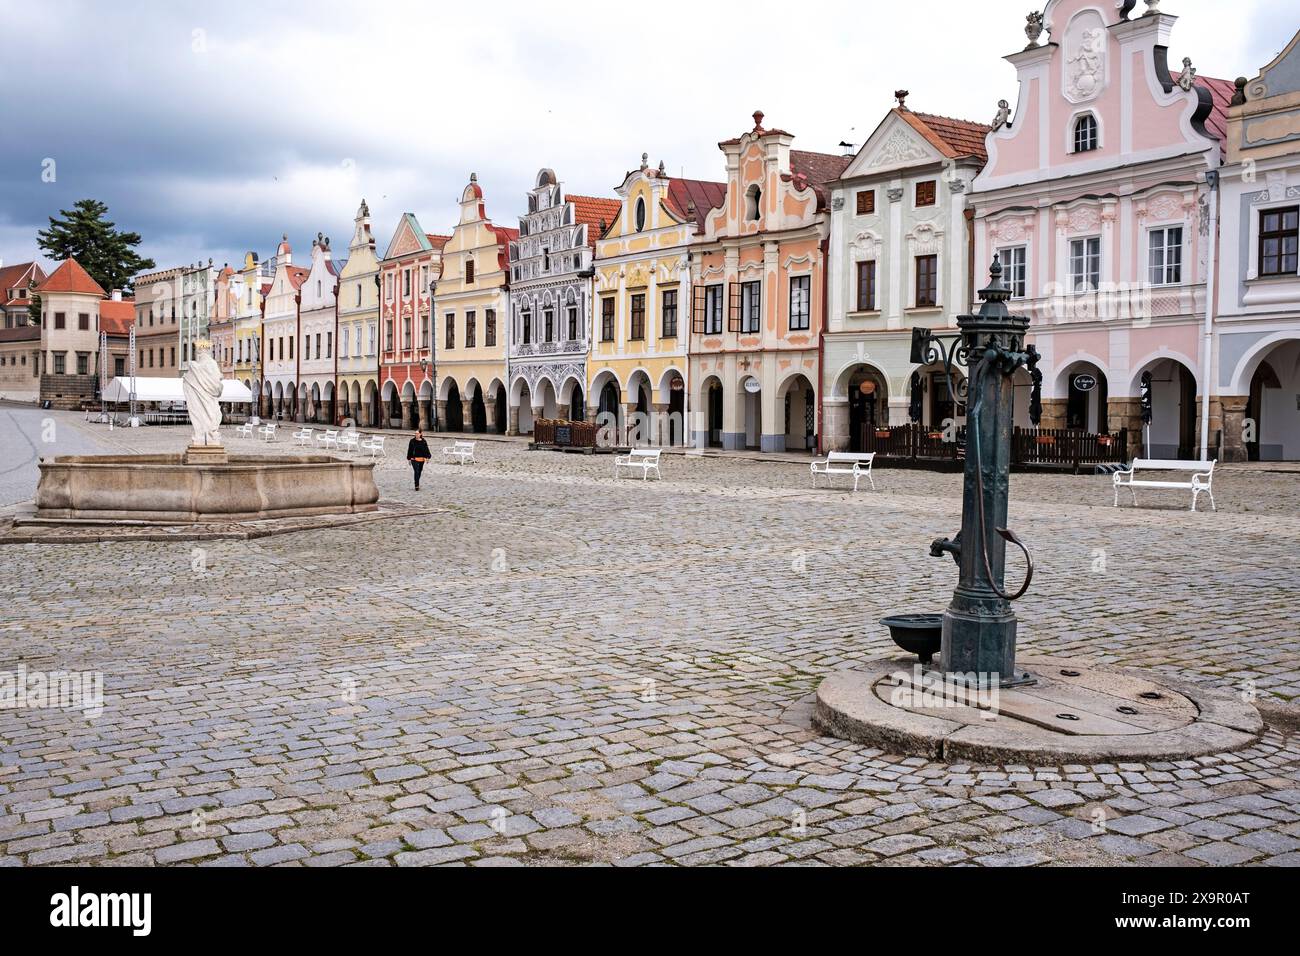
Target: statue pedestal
column 206, row 455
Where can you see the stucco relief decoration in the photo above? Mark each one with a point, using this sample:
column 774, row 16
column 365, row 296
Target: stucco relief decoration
column 899, row 147
column 1164, row 207
column 1085, row 57
column 1084, row 219
column 865, row 245
column 1007, row 230
column 925, row 239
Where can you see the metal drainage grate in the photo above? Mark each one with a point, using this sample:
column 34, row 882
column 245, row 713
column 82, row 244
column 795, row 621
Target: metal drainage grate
column 1067, row 717
column 1127, row 710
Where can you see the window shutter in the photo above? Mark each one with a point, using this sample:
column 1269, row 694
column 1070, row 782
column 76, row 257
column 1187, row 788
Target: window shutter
column 697, row 309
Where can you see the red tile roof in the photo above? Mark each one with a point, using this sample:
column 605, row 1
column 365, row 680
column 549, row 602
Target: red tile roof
column 115, row 318
column 691, row 199
column 16, row 276
column 954, row 138
column 437, row 241
column 71, row 278
column 1221, row 91
column 592, row 211
column 297, row 275
column 816, row 169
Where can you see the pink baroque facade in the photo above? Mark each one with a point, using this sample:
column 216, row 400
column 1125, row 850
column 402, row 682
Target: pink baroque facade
column 1095, row 198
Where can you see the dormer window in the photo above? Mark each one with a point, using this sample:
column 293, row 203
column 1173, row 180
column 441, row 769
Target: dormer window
column 1085, row 133
column 753, row 203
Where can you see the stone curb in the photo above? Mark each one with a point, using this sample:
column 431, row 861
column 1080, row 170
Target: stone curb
column 848, row 708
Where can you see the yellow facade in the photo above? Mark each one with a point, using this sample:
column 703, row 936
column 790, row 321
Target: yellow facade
column 637, row 364
column 247, row 289
column 471, row 311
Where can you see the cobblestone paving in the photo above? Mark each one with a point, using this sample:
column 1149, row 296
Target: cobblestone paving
column 561, row 668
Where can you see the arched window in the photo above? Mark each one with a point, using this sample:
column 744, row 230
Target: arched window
column 754, row 203
column 1085, row 133
column 640, row 214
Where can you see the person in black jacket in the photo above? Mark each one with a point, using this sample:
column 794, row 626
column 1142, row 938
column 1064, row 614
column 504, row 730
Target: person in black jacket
column 417, row 453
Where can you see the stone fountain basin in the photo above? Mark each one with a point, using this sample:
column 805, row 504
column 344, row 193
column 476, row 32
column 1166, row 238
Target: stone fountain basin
column 164, row 489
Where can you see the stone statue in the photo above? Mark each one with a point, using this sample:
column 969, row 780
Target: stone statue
column 1188, row 76
column 1003, row 114
column 202, row 387
column 1033, row 28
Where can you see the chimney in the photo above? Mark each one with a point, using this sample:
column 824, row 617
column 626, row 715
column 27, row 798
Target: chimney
column 117, row 295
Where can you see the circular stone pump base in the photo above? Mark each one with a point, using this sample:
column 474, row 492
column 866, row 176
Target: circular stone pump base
column 1072, row 713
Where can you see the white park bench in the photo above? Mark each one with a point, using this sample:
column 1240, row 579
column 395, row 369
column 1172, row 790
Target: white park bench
column 461, row 451
column 329, row 439
column 1193, row 476
column 349, row 442
column 375, row 445
column 645, row 460
column 267, row 432
column 245, row 430
column 857, row 464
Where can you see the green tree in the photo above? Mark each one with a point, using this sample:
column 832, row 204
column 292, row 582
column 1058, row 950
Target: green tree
column 83, row 233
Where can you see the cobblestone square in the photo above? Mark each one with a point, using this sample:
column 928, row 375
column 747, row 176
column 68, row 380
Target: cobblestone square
column 561, row 668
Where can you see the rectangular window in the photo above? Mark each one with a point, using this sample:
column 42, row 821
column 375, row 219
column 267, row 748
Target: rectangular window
column 83, row 321
column 925, row 192
column 638, row 317
column 607, row 319
column 451, row 330
column 1015, row 275
column 1279, row 230
column 119, row 367
column 866, row 202
column 388, row 336
column 388, row 287
column 867, row 286
column 59, row 320
column 469, row 270
column 83, row 364
column 927, row 281
column 291, row 348
column 573, row 323
column 1085, row 264
column 471, row 329
column 490, row 327
column 548, row 324
column 1165, row 255
column 669, row 321
column 425, row 324
column 526, row 319
column 406, row 283
column 60, row 361
column 329, row 344
column 800, row 303
column 751, row 304
column 318, row 345
column 713, row 310
column 343, row 344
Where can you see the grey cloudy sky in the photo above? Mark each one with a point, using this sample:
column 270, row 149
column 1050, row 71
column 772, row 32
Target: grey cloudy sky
column 213, row 128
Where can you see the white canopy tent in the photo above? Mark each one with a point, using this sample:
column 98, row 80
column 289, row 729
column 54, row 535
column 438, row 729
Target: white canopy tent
column 169, row 390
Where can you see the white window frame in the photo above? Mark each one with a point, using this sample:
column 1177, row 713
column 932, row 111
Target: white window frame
column 1007, row 266
column 1070, row 259
column 1069, row 132
column 1163, row 229
column 789, row 319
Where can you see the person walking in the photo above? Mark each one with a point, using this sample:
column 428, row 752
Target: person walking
column 417, row 453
